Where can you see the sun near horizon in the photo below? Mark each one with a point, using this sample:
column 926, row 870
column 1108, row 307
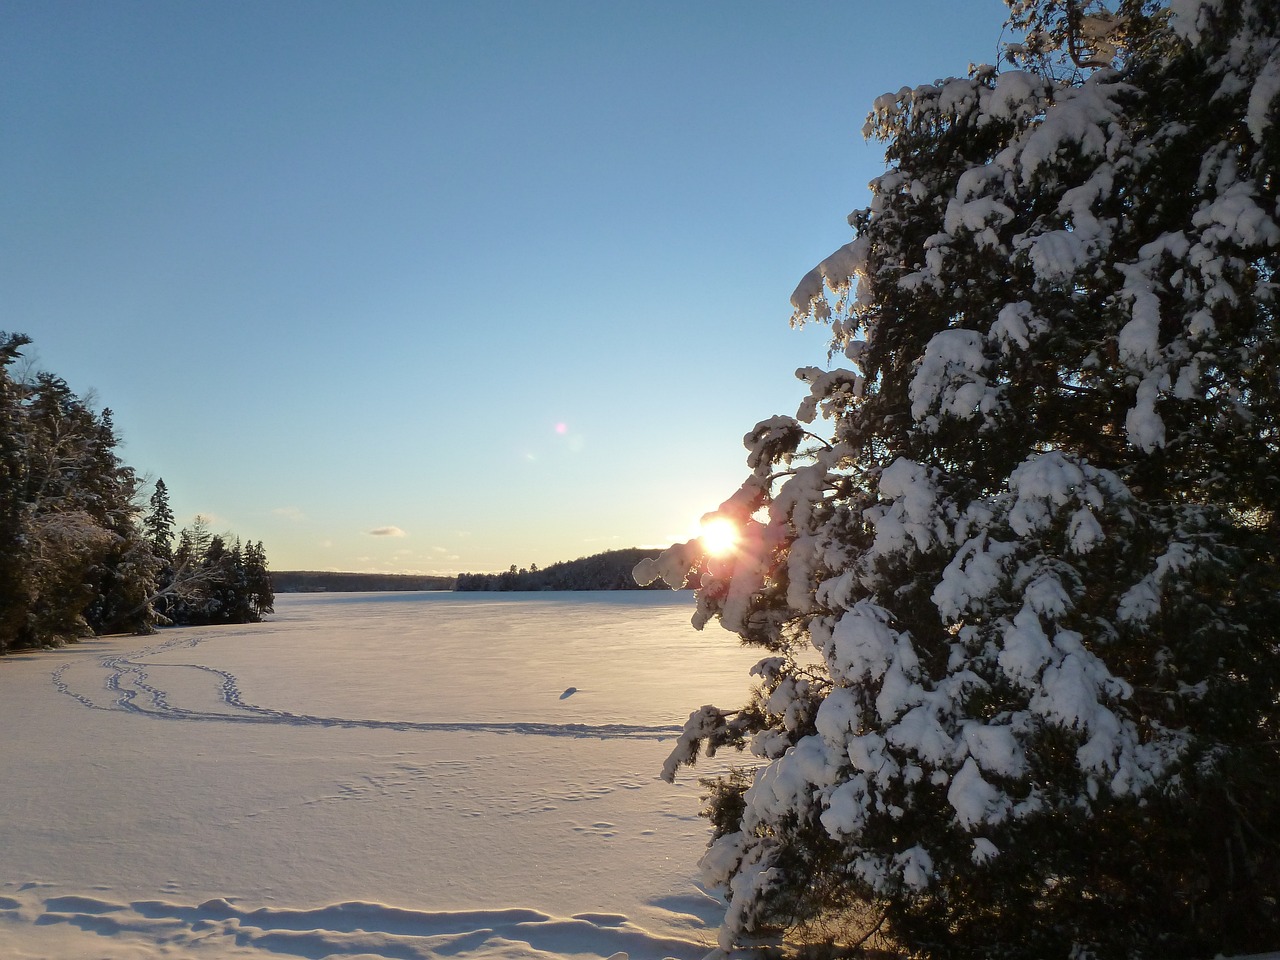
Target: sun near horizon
column 719, row 536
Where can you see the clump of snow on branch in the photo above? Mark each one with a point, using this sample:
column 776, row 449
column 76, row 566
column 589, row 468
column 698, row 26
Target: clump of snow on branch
column 949, row 379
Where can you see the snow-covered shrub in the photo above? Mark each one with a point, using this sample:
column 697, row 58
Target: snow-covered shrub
column 1020, row 589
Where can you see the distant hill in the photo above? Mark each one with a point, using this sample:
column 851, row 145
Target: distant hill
column 610, row 570
column 317, row 581
column 602, row 571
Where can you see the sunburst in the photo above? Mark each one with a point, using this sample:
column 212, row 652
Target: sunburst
column 719, row 536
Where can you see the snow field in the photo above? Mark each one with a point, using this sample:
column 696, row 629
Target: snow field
column 381, row 776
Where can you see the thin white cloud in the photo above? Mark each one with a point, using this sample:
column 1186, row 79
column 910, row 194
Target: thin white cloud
column 289, row 513
column 387, row 532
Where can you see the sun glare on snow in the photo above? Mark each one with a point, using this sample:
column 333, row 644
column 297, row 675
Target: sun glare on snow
column 719, row 536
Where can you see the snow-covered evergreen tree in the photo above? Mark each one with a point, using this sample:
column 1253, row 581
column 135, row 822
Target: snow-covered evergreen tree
column 1017, row 568
column 75, row 558
column 158, row 523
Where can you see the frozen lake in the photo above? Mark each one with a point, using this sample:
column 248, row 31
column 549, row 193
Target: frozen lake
column 373, row 775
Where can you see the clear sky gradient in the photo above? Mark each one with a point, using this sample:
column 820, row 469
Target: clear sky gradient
column 441, row 286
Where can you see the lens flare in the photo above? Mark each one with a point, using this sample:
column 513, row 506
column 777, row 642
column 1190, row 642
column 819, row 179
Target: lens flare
column 719, row 536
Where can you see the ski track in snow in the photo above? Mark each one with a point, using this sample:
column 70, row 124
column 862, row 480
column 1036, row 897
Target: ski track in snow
column 134, row 690
column 576, row 866
column 219, row 928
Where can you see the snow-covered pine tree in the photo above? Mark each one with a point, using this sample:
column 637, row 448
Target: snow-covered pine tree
column 1020, row 584
column 261, row 594
column 158, row 523
column 15, row 594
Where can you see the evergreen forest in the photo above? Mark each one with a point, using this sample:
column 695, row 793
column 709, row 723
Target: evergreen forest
column 330, row 581
column 79, row 555
column 610, row 570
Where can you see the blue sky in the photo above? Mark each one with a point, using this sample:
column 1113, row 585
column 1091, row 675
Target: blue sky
column 504, row 282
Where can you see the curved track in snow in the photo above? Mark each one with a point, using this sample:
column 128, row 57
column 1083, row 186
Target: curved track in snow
column 128, row 683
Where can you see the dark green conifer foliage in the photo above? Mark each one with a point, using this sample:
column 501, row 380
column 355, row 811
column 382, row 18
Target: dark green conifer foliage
column 74, row 558
column 1021, row 597
column 159, row 522
column 14, row 595
column 211, row 583
column 261, row 595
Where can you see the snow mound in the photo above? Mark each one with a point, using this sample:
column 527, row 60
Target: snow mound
column 74, row 926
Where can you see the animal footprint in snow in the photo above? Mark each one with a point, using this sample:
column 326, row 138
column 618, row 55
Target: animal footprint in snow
column 601, row 828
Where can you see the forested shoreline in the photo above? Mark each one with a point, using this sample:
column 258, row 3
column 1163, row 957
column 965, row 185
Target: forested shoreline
column 330, row 581
column 78, row 554
column 610, row 570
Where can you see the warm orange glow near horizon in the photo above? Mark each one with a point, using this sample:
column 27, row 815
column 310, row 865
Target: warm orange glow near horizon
column 719, row 536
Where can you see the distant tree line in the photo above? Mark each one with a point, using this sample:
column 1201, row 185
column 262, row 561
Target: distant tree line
column 316, row 581
column 77, row 556
column 603, row 571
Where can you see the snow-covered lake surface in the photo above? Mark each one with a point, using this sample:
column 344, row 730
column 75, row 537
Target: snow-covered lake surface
column 371, row 775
